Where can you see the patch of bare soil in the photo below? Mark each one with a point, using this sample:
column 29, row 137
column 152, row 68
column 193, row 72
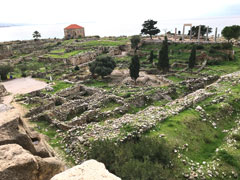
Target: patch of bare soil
column 9, row 109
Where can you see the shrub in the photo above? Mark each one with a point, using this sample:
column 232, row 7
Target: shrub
column 236, row 137
column 24, row 74
column 228, row 46
column 135, row 40
column 199, row 47
column 4, row 70
column 76, row 68
column 146, row 159
column 228, row 158
column 151, row 57
column 103, row 66
column 212, row 50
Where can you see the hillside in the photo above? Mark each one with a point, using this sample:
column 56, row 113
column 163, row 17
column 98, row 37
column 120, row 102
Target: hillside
column 184, row 124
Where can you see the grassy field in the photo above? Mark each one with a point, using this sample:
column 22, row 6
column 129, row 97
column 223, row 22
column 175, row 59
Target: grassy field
column 64, row 55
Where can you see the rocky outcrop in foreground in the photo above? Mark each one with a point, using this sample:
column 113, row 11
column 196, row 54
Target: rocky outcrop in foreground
column 17, row 163
column 24, row 155
column 89, row 170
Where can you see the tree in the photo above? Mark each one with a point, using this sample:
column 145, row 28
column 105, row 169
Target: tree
column 203, row 30
column 134, row 68
column 135, row 40
column 4, row 70
column 163, row 60
column 192, row 58
column 36, row 35
column 231, row 32
column 148, row 28
column 151, row 57
column 102, row 66
column 236, row 30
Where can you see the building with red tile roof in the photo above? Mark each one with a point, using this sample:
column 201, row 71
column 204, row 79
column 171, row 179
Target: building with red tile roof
column 74, row 31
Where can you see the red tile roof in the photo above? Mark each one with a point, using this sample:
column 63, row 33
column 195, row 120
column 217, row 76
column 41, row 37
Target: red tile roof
column 74, row 26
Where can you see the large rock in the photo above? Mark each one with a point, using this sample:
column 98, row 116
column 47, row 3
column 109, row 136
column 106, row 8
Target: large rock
column 89, row 170
column 14, row 131
column 3, row 91
column 17, row 163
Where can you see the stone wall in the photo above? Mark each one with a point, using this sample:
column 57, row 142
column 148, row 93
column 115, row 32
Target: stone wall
column 8, row 49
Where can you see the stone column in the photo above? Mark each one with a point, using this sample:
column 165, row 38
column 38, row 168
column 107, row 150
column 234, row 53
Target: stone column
column 175, row 34
column 216, row 34
column 199, row 32
column 207, row 33
column 183, row 32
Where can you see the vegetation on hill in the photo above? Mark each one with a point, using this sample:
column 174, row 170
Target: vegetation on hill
column 182, row 144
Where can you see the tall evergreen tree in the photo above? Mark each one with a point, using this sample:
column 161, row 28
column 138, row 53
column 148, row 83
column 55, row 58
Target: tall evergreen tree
column 134, row 68
column 192, row 58
column 163, row 60
column 151, row 57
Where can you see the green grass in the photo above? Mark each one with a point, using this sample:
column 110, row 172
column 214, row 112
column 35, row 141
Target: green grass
column 175, row 79
column 58, row 51
column 203, row 140
column 110, row 106
column 102, row 43
column 67, row 42
column 65, row 55
column 59, row 85
column 98, row 84
column 55, row 141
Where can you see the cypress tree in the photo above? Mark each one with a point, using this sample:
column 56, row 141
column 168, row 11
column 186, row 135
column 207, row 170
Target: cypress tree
column 151, row 57
column 163, row 60
column 134, row 68
column 192, row 58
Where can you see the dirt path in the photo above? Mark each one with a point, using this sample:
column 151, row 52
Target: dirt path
column 9, row 109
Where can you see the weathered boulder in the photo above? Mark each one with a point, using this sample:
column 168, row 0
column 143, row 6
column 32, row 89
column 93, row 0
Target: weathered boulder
column 17, row 163
column 14, row 131
column 3, row 91
column 89, row 170
column 82, row 58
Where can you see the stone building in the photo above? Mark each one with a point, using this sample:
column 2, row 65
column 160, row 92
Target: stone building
column 74, row 31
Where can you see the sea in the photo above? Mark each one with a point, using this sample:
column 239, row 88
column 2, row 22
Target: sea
column 106, row 28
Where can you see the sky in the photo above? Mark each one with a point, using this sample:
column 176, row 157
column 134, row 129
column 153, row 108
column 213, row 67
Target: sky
column 112, row 11
column 111, row 17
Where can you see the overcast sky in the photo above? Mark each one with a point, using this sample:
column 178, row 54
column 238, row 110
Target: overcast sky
column 122, row 11
column 111, row 17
